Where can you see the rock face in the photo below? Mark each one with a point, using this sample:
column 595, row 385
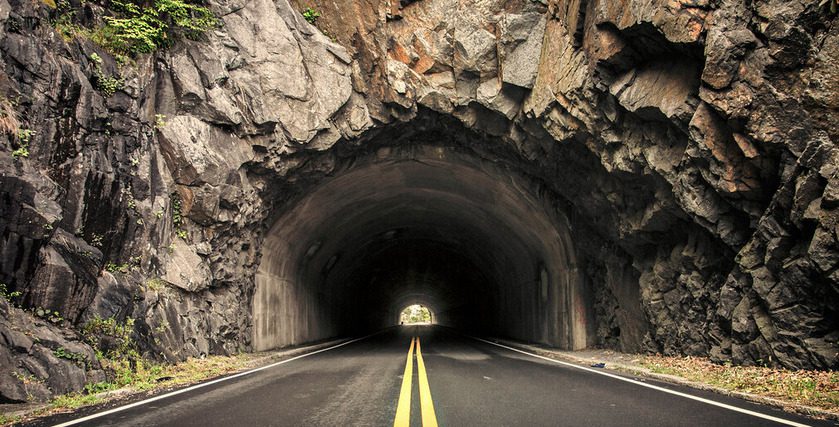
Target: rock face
column 39, row 359
column 691, row 145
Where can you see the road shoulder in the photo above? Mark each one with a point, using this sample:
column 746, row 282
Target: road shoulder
column 630, row 364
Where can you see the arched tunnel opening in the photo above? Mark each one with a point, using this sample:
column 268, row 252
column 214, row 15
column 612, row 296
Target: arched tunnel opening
column 416, row 314
column 466, row 236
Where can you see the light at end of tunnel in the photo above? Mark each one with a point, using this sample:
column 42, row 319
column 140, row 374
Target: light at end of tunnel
column 415, row 314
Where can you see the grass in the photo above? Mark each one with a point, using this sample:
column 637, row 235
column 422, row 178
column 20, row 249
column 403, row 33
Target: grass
column 819, row 389
column 144, row 377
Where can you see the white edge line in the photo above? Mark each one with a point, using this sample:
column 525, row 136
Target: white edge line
column 654, row 387
column 197, row 386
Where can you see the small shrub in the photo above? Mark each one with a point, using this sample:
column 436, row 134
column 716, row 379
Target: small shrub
column 50, row 315
column 22, row 151
column 5, row 294
column 106, row 84
column 144, row 29
column 137, row 26
column 159, row 121
column 112, row 339
column 25, row 135
column 96, row 240
column 310, row 15
column 117, row 268
column 177, row 217
column 155, row 284
column 63, row 353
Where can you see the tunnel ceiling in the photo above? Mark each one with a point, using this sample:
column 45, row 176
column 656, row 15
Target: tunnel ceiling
column 659, row 176
column 425, row 222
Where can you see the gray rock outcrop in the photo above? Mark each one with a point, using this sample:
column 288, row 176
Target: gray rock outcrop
column 692, row 142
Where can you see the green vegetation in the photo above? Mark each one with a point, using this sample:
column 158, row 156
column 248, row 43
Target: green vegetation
column 311, row 15
column 118, row 352
column 23, row 136
column 159, row 121
column 177, row 218
column 22, row 151
column 136, row 26
column 123, row 268
column 8, row 419
column 96, row 240
column 415, row 314
column 108, row 85
column 6, row 295
column 13, row 298
column 51, row 315
column 63, row 353
column 818, row 389
column 155, row 284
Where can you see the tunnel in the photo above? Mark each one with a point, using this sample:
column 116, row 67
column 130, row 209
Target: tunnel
column 465, row 236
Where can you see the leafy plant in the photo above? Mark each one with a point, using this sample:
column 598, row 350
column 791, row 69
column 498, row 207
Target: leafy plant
column 106, row 84
column 22, row 151
column 138, row 26
column 25, row 135
column 117, row 268
column 159, row 121
column 96, row 240
column 112, row 339
column 51, row 315
column 5, row 294
column 155, row 284
column 63, row 353
column 182, row 234
column 177, row 217
column 311, row 15
column 143, row 29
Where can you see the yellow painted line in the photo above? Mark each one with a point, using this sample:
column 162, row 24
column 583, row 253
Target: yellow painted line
column 403, row 408
column 429, row 418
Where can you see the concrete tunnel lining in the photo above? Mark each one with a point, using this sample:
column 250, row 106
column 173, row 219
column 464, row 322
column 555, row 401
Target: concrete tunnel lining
column 315, row 277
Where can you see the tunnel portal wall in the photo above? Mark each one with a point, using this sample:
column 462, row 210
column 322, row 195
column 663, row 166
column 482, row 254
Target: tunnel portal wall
column 516, row 271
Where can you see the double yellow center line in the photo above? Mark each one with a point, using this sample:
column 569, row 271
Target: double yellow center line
column 403, row 408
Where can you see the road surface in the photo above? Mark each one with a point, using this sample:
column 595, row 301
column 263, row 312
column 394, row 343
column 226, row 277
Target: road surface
column 452, row 380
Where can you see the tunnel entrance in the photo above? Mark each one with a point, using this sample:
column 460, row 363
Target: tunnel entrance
column 422, row 224
column 415, row 314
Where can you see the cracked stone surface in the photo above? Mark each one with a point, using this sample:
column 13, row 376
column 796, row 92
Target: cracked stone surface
column 690, row 145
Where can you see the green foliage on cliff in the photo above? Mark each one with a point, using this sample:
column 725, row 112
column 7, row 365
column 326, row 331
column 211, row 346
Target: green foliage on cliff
column 136, row 26
column 143, row 29
column 311, row 15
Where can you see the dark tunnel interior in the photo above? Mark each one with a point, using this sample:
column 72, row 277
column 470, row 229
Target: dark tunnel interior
column 463, row 236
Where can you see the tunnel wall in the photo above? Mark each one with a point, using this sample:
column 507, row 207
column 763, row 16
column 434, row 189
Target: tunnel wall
column 429, row 193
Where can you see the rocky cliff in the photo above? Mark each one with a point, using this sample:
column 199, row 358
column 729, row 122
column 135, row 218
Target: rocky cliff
column 690, row 143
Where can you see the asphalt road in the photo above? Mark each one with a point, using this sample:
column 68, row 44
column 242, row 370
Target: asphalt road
column 470, row 383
